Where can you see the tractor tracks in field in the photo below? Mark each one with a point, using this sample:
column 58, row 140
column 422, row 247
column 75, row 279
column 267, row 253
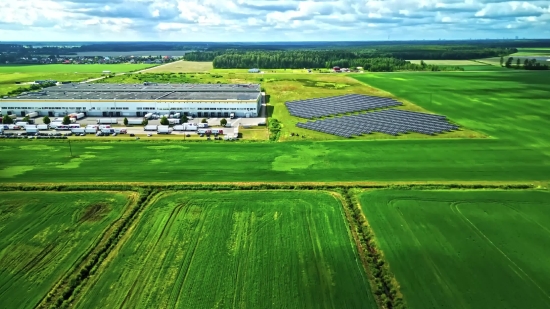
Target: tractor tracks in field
column 63, row 293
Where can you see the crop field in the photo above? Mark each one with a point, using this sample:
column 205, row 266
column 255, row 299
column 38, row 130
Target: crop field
column 44, row 234
column 8, row 80
column 72, row 68
column 537, row 51
column 235, row 250
column 447, row 62
column 465, row 249
column 182, row 66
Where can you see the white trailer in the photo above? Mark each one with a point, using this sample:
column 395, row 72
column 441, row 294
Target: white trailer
column 78, row 130
column 95, row 126
column 32, row 115
column 74, row 126
column 202, row 125
column 80, row 115
column 107, row 131
column 232, row 115
column 150, row 128
column 148, row 115
column 43, row 127
column 22, row 124
column 121, row 130
column 54, row 125
column 12, row 127
column 177, row 115
column 135, row 121
column 179, row 128
column 107, row 120
column 164, row 130
column 190, row 127
column 90, row 130
column 174, row 121
column 217, row 131
column 31, row 128
column 101, row 127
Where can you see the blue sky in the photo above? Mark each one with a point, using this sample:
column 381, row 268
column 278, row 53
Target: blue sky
column 261, row 20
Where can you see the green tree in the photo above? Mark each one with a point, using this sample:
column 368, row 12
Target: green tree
column 518, row 62
column 46, row 120
column 184, row 119
column 509, row 62
column 501, row 60
column 204, row 120
column 125, row 121
column 223, row 122
column 26, row 119
column 7, row 120
column 66, row 120
column 164, row 121
column 145, row 122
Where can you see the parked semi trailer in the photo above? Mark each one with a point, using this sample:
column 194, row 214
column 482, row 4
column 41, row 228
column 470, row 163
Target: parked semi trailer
column 43, row 127
column 78, row 130
column 148, row 115
column 90, row 130
column 164, row 130
column 135, row 121
column 21, row 124
column 107, row 120
column 121, row 130
column 150, row 128
column 32, row 115
column 31, row 129
column 179, row 128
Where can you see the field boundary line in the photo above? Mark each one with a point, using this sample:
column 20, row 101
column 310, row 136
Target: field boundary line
column 475, row 228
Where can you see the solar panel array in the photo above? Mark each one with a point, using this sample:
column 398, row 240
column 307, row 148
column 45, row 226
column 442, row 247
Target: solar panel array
column 391, row 121
column 314, row 108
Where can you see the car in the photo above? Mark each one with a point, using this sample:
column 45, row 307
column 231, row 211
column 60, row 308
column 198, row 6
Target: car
column 114, row 134
column 149, row 134
column 82, row 134
column 132, row 135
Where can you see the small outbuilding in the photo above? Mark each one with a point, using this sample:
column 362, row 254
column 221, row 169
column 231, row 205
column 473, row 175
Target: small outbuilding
column 254, row 70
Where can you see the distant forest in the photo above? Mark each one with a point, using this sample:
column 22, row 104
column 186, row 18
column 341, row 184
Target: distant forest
column 373, row 56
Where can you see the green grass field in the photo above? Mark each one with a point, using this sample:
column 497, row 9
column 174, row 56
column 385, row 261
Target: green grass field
column 465, row 249
column 44, row 234
column 537, row 51
column 235, row 250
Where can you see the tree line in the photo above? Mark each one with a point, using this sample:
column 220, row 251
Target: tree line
column 319, row 59
column 528, row 64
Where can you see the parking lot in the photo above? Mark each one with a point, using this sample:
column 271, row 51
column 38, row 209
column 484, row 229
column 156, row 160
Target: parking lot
column 138, row 130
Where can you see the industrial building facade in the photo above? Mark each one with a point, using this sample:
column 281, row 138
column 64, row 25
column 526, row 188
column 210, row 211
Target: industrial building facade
column 121, row 100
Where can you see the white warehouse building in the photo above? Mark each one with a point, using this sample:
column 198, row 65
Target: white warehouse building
column 121, row 100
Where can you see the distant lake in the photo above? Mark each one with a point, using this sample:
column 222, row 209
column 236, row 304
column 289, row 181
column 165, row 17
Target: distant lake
column 132, row 53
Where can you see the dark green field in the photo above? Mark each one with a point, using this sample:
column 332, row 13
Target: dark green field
column 44, row 234
column 235, row 250
column 465, row 249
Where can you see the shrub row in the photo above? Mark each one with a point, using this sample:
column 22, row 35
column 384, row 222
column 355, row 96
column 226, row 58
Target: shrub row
column 383, row 283
column 274, row 129
column 265, row 186
column 63, row 295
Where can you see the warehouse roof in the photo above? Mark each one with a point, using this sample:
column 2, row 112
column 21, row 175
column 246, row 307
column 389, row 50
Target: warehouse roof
column 145, row 91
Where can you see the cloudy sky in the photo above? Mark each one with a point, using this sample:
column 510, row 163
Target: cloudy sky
column 270, row 20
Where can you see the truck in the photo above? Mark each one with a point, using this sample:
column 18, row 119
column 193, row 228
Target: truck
column 80, row 115
column 43, row 127
column 217, row 131
column 107, row 120
column 204, row 131
column 174, row 121
column 107, row 131
column 134, row 121
column 90, row 130
column 54, row 125
column 31, row 129
column 22, row 123
column 179, row 128
column 101, row 127
column 121, row 130
column 202, row 125
column 190, row 127
column 164, row 130
column 32, row 115
column 78, row 130
column 232, row 115
column 74, row 126
column 148, row 116
column 177, row 115
column 150, row 128
column 11, row 127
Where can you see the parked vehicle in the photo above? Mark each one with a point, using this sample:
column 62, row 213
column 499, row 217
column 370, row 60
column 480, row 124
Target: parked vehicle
column 104, row 127
column 90, row 130
column 135, row 121
column 202, row 125
column 179, row 128
column 54, row 124
column 107, row 131
column 43, row 127
column 121, row 130
column 217, row 131
column 32, row 115
column 148, row 115
column 31, row 129
column 232, row 115
column 150, row 128
column 107, row 120
column 78, row 130
column 21, row 123
column 164, row 130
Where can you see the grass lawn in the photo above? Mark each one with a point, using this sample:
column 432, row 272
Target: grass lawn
column 182, row 66
column 44, row 234
column 536, row 51
column 465, row 249
column 446, row 62
column 234, row 250
column 7, row 80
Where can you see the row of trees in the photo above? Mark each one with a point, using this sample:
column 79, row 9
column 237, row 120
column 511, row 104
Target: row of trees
column 528, row 64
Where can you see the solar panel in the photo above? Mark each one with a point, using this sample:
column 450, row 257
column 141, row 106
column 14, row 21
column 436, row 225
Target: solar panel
column 390, row 121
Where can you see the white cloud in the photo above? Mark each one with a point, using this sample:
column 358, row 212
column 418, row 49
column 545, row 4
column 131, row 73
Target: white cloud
column 255, row 20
